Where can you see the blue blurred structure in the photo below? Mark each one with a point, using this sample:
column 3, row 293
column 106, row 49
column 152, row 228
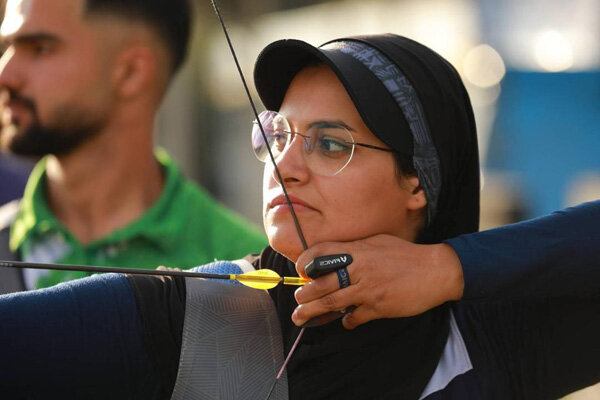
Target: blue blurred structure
column 547, row 132
column 13, row 176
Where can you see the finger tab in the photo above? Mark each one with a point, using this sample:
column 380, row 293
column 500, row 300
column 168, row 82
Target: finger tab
column 320, row 266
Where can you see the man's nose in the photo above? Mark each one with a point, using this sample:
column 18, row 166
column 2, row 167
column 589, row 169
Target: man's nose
column 10, row 72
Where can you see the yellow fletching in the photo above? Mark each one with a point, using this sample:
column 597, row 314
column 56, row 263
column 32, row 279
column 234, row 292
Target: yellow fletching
column 260, row 279
column 266, row 279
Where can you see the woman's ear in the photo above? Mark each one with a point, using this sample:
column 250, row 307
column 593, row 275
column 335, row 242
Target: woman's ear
column 417, row 200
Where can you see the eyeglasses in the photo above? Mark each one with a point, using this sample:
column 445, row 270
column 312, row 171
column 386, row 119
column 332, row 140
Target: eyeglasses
column 328, row 147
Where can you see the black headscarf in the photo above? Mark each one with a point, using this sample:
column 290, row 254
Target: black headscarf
column 414, row 101
column 449, row 114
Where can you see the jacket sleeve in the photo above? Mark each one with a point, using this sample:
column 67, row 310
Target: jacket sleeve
column 552, row 256
column 532, row 301
column 80, row 339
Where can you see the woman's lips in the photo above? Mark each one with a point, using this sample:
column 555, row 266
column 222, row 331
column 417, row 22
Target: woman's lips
column 279, row 204
column 282, row 208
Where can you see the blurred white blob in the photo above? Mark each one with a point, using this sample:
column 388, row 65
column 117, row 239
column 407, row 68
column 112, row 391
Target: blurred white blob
column 14, row 16
column 553, row 51
column 483, row 66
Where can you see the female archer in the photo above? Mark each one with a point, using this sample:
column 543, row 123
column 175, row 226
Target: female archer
column 374, row 140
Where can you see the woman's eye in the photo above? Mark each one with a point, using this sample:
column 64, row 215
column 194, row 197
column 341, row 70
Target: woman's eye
column 332, row 146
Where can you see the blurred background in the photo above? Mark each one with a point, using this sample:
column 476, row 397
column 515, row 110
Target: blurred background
column 532, row 68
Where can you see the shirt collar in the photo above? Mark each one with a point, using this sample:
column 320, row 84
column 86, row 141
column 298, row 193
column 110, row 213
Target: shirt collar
column 34, row 214
column 156, row 224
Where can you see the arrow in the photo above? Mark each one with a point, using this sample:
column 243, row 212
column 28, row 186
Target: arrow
column 259, row 279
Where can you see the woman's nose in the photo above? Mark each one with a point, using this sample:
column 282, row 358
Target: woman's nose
column 292, row 162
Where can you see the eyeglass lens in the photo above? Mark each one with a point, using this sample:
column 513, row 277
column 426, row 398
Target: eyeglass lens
column 328, row 148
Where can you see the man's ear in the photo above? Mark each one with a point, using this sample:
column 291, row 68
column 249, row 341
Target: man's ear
column 417, row 200
column 134, row 71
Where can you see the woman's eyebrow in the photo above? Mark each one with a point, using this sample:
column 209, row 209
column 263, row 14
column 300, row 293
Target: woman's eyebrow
column 331, row 124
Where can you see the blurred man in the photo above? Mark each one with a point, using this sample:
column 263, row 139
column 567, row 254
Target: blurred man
column 82, row 81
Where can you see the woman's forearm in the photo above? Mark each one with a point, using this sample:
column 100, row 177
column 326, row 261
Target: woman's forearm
column 82, row 337
column 551, row 256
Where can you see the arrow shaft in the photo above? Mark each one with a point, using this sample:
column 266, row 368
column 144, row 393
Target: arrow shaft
column 132, row 271
column 248, row 279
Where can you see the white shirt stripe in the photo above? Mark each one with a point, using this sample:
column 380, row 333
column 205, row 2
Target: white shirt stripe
column 455, row 361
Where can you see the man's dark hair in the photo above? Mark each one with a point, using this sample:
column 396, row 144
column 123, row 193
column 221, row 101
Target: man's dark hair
column 171, row 19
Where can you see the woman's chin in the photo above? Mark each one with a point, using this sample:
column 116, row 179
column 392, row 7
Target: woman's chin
column 287, row 244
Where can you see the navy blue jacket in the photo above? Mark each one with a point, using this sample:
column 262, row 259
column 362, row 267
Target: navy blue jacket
column 530, row 313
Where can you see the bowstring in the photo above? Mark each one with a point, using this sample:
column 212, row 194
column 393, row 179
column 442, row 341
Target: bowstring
column 285, row 194
column 262, row 131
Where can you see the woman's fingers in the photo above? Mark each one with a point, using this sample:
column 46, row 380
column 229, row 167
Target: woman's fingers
column 359, row 316
column 319, row 287
column 334, row 301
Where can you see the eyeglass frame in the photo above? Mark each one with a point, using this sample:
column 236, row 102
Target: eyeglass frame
column 306, row 137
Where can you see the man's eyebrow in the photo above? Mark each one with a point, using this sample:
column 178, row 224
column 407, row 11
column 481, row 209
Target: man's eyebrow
column 331, row 123
column 30, row 38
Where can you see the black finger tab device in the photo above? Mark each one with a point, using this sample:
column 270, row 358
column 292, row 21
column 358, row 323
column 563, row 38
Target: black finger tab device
column 326, row 264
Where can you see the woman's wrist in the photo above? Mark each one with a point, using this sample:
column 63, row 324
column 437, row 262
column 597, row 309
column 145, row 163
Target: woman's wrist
column 446, row 261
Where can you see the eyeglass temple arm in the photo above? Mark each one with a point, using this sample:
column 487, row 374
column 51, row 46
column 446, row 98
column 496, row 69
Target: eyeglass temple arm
column 370, row 146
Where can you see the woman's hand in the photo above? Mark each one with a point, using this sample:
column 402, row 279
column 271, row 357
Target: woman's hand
column 389, row 277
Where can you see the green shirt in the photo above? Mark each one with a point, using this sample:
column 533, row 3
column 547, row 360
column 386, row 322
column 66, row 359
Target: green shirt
column 184, row 228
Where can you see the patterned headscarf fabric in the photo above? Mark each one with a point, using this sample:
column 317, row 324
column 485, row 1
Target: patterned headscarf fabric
column 425, row 158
